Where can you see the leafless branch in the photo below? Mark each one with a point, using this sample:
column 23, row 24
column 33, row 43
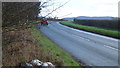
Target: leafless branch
column 65, row 15
column 56, row 9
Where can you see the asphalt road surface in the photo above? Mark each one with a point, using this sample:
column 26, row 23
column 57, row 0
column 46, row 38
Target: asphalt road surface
column 89, row 48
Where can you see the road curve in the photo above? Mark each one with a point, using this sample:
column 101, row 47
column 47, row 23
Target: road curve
column 92, row 49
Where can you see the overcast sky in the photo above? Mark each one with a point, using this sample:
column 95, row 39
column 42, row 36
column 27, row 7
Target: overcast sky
column 76, row 8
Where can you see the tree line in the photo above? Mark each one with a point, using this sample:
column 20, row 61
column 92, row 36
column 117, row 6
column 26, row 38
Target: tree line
column 15, row 13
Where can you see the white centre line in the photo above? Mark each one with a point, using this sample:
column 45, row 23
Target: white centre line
column 90, row 40
column 104, row 45
column 111, row 47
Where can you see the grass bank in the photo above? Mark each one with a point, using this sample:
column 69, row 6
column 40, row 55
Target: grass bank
column 111, row 33
column 50, row 47
column 25, row 43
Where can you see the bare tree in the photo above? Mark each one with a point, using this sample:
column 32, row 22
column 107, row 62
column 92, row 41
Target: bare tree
column 49, row 7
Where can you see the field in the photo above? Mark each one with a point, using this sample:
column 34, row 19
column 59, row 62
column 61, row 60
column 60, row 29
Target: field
column 106, row 32
column 105, row 24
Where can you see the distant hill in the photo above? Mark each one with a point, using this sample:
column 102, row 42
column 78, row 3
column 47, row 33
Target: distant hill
column 90, row 18
column 69, row 18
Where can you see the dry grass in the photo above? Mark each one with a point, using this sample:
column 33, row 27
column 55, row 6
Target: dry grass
column 20, row 46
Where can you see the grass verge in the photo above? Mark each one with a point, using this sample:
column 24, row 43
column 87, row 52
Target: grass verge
column 49, row 46
column 26, row 43
column 111, row 33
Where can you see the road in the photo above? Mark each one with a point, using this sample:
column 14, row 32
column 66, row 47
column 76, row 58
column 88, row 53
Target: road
column 89, row 48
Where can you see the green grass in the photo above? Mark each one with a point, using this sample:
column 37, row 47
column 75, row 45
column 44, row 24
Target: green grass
column 35, row 22
column 111, row 33
column 49, row 46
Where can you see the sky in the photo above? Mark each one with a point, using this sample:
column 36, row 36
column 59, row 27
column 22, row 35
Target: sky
column 76, row 8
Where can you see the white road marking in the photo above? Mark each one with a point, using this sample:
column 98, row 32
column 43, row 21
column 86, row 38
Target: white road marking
column 96, row 35
column 104, row 45
column 90, row 33
column 89, row 40
column 111, row 47
column 80, row 37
